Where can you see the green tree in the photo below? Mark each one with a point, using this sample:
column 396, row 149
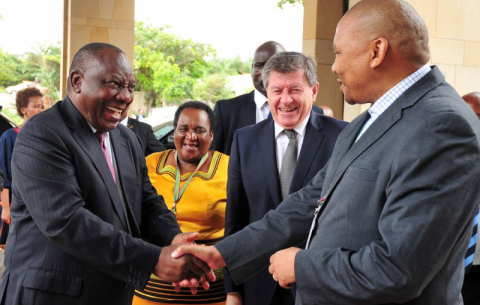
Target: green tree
column 167, row 66
column 44, row 64
column 212, row 88
column 10, row 69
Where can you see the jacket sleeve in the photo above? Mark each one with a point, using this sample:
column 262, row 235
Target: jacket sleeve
column 249, row 250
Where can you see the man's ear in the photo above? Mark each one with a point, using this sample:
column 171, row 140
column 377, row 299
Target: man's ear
column 315, row 92
column 75, row 79
column 378, row 52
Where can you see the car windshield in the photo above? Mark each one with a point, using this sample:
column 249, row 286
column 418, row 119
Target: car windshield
column 161, row 130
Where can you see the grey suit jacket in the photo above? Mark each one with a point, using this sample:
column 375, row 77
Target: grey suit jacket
column 398, row 210
column 68, row 242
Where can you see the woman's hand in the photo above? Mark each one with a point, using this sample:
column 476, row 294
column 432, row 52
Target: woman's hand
column 6, row 206
column 6, row 214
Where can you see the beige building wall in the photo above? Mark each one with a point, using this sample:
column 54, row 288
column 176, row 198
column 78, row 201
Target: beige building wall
column 320, row 20
column 85, row 21
column 454, row 32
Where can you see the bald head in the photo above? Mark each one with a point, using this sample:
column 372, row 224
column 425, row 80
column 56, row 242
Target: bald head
column 260, row 58
column 473, row 100
column 396, row 21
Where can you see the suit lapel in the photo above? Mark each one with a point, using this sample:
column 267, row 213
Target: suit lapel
column 125, row 169
column 268, row 154
column 249, row 111
column 85, row 138
column 383, row 123
column 313, row 138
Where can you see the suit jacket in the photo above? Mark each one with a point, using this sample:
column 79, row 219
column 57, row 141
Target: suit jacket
column 150, row 144
column 68, row 242
column 234, row 114
column 254, row 187
column 398, row 209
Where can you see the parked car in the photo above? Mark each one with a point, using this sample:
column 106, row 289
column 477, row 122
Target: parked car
column 25, row 84
column 5, row 123
column 164, row 133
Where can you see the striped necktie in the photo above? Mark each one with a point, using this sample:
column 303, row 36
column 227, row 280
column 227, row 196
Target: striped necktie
column 471, row 246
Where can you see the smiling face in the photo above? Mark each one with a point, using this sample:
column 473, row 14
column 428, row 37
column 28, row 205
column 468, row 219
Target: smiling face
column 192, row 135
column 104, row 91
column 34, row 106
column 290, row 98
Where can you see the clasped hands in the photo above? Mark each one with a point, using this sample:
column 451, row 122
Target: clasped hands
column 198, row 262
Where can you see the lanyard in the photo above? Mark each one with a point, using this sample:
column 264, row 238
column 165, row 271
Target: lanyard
column 178, row 192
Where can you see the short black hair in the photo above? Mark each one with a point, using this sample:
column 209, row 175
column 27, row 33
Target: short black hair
column 87, row 54
column 195, row 105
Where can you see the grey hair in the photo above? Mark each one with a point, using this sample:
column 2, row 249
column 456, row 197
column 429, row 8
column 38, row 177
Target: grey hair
column 290, row 62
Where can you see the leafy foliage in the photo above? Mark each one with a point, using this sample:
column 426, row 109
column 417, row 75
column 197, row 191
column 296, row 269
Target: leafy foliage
column 172, row 69
column 44, row 64
column 167, row 66
column 212, row 88
column 10, row 69
column 281, row 3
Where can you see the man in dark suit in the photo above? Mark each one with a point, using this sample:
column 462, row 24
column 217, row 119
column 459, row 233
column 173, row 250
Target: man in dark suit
column 254, row 181
column 393, row 209
column 87, row 225
column 150, row 144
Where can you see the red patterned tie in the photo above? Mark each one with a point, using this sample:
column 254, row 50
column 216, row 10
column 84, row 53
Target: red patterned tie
column 101, row 139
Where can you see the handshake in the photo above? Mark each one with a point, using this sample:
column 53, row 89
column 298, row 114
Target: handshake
column 188, row 265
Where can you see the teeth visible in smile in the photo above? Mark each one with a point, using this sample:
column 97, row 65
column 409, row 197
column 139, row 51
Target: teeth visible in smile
column 117, row 111
column 287, row 109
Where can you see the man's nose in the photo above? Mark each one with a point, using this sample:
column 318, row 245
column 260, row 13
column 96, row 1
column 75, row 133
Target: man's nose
column 125, row 95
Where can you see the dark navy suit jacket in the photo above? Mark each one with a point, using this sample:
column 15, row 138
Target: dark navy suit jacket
column 254, row 187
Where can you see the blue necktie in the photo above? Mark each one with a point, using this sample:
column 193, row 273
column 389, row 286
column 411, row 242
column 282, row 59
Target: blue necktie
column 471, row 246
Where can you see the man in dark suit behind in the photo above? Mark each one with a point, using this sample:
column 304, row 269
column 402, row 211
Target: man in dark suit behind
column 246, row 109
column 150, row 144
column 256, row 161
column 87, row 225
column 388, row 220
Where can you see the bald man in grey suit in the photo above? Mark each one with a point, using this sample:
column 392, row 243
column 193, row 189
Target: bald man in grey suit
column 392, row 211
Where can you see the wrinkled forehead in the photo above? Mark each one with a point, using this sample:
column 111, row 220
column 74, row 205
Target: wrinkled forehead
column 111, row 62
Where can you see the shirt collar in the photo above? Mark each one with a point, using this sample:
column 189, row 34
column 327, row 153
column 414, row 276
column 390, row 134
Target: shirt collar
column 124, row 122
column 300, row 129
column 392, row 95
column 107, row 134
column 259, row 99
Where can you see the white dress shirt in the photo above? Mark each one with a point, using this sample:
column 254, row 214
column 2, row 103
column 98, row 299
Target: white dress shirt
column 261, row 102
column 391, row 96
column 281, row 140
